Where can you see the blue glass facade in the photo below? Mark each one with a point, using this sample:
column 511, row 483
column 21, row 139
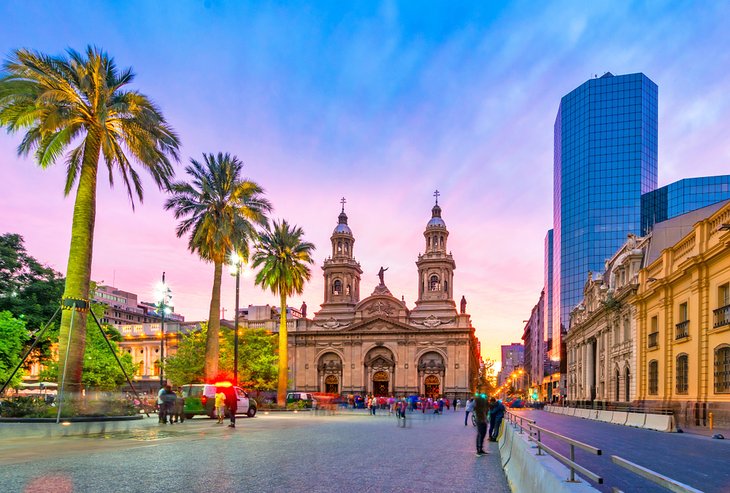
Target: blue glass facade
column 605, row 159
column 681, row 197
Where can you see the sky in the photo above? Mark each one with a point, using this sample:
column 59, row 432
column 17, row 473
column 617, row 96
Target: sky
column 379, row 102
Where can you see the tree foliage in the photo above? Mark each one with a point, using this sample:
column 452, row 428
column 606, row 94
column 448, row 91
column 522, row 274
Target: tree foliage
column 13, row 336
column 28, row 289
column 257, row 358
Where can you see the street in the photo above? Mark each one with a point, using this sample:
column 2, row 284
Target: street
column 695, row 460
column 350, row 451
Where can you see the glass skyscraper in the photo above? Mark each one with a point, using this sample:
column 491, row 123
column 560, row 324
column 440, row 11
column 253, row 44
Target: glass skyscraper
column 681, row 197
column 548, row 309
column 605, row 159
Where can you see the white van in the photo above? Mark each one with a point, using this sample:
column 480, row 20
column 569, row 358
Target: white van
column 200, row 399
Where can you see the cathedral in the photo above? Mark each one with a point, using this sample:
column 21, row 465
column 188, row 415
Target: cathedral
column 377, row 345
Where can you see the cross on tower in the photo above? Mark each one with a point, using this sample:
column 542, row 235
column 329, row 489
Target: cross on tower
column 436, row 194
column 343, row 202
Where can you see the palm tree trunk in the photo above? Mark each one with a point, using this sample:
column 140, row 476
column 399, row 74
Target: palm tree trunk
column 214, row 325
column 283, row 356
column 72, row 340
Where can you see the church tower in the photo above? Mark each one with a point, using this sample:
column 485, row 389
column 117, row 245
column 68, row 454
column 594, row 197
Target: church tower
column 341, row 273
column 435, row 270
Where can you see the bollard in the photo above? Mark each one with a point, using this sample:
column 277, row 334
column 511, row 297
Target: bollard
column 709, row 418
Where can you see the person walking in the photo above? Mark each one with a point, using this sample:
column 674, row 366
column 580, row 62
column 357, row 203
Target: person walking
column 160, row 405
column 231, row 401
column 457, row 403
column 178, row 407
column 480, row 413
column 496, row 414
column 168, row 401
column 220, row 405
column 469, row 408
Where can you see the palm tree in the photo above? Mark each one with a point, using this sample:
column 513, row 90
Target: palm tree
column 220, row 210
column 283, row 258
column 77, row 106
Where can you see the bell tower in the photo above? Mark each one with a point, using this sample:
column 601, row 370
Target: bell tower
column 341, row 272
column 435, row 267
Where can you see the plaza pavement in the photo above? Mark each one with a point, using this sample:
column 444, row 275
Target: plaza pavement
column 348, row 452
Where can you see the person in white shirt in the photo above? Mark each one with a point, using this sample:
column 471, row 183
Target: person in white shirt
column 469, row 408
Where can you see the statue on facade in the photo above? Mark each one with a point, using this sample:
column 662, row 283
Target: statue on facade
column 303, row 309
column 463, row 304
column 381, row 274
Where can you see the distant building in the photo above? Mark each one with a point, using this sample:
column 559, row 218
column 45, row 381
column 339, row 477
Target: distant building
column 534, row 344
column 513, row 357
column 124, row 308
column 548, row 290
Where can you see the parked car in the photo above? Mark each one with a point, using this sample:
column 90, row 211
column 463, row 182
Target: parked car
column 200, row 400
column 307, row 397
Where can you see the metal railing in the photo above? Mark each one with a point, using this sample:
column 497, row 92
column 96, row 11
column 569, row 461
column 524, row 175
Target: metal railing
column 721, row 316
column 653, row 339
column 656, row 478
column 536, row 433
column 682, row 330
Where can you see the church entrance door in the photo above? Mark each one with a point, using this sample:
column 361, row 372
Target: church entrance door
column 433, row 386
column 331, row 385
column 381, row 379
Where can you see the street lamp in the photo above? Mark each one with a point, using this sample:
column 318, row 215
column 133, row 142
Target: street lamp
column 163, row 295
column 235, row 269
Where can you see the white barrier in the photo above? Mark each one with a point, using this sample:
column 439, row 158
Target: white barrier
column 530, row 473
column 581, row 413
column 619, row 417
column 659, row 422
column 636, row 420
column 604, row 416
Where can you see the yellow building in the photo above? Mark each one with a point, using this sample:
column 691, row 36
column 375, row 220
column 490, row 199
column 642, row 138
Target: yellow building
column 683, row 311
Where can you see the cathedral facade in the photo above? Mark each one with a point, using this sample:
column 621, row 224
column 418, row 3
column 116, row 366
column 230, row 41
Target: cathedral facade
column 377, row 345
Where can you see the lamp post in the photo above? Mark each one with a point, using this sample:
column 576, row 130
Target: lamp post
column 236, row 263
column 164, row 297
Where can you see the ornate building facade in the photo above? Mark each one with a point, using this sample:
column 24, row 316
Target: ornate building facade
column 377, row 345
column 600, row 344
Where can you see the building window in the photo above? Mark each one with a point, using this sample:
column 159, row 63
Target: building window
column 618, row 385
column 627, row 384
column 683, row 325
column 682, row 373
column 627, row 329
column 653, row 377
column 722, row 313
column 337, row 287
column 434, row 284
column 722, row 369
column 653, row 340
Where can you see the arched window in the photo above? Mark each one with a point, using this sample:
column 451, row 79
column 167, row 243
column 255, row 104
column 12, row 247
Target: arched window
column 618, row 385
column 434, row 283
column 627, row 329
column 653, row 377
column 337, row 287
column 442, row 241
column 347, row 289
column 339, row 247
column 627, row 384
column 446, row 286
column 682, row 370
column 722, row 369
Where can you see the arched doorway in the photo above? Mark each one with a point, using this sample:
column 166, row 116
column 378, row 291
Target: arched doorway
column 332, row 384
column 379, row 371
column 381, row 383
column 329, row 371
column 432, row 385
column 431, row 373
column 618, row 385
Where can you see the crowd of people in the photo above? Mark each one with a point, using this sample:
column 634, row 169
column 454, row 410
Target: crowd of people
column 424, row 404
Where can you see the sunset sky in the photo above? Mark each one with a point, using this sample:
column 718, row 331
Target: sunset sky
column 381, row 103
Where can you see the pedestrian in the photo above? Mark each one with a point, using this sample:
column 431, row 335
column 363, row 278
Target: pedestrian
column 480, row 413
column 496, row 413
column 231, row 401
column 457, row 403
column 178, row 408
column 220, row 405
column 441, row 404
column 469, row 408
column 160, row 402
column 168, row 401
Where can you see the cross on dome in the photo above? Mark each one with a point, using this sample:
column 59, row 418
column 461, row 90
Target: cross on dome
column 436, row 194
column 343, row 201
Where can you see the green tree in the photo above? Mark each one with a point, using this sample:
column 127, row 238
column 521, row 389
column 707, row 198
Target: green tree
column 29, row 290
column 220, row 210
column 487, row 377
column 257, row 358
column 78, row 106
column 283, row 257
column 100, row 370
column 13, row 336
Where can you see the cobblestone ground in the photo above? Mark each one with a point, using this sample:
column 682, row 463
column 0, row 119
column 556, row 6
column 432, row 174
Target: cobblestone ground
column 347, row 452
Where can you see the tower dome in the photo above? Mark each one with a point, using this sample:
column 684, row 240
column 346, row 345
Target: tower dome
column 342, row 227
column 436, row 221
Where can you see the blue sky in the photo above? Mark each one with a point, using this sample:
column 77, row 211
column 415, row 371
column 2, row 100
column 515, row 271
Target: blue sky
column 382, row 103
